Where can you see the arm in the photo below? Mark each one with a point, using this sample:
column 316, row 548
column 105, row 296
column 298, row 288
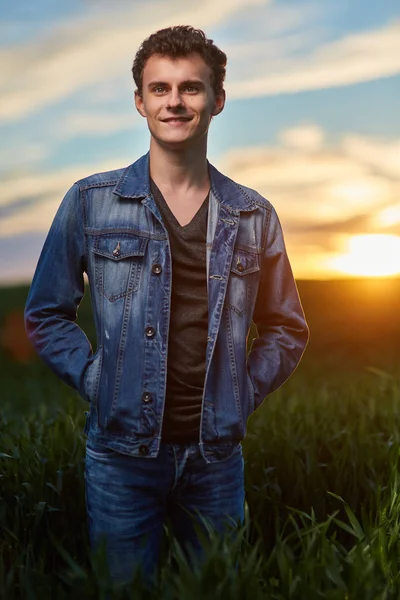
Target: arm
column 278, row 316
column 55, row 294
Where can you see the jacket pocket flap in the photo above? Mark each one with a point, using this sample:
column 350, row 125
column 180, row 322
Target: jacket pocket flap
column 119, row 246
column 244, row 262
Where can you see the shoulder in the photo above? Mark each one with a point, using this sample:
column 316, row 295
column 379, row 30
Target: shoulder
column 240, row 195
column 102, row 179
column 254, row 196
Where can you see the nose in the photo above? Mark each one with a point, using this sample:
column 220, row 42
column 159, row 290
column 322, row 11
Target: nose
column 175, row 98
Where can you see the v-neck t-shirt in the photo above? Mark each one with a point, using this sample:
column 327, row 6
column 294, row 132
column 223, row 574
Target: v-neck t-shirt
column 188, row 327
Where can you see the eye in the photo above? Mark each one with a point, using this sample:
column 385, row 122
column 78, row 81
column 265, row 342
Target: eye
column 191, row 89
column 159, row 89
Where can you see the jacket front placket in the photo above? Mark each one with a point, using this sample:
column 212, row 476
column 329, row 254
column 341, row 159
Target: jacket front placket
column 162, row 347
column 223, row 224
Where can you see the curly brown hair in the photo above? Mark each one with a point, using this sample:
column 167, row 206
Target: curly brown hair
column 176, row 42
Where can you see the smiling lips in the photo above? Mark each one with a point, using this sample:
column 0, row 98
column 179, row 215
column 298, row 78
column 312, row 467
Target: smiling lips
column 176, row 120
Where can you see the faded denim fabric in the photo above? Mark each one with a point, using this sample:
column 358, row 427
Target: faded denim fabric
column 109, row 226
column 129, row 498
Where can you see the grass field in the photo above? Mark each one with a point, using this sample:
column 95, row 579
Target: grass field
column 322, row 469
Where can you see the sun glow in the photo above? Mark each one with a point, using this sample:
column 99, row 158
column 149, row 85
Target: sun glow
column 372, row 255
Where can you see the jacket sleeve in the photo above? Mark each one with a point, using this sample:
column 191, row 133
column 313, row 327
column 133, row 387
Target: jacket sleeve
column 55, row 294
column 278, row 316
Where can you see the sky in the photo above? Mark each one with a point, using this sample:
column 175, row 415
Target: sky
column 311, row 119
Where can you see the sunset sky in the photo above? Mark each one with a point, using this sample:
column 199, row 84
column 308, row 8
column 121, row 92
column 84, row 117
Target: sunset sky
column 312, row 119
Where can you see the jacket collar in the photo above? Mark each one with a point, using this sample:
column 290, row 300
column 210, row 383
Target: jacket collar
column 135, row 183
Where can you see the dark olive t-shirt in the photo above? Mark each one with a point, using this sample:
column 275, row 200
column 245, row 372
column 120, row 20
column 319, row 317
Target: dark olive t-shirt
column 187, row 340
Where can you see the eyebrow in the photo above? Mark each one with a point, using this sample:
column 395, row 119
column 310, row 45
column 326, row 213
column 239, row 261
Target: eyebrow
column 197, row 82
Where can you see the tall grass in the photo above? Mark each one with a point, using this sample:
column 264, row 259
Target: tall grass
column 322, row 489
column 323, row 500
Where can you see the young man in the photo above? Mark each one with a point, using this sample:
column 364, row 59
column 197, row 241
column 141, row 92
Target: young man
column 180, row 261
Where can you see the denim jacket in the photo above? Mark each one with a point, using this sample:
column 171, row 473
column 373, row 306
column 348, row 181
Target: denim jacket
column 109, row 226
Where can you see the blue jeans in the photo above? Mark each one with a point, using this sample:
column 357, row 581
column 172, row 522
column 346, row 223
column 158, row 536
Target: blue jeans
column 129, row 499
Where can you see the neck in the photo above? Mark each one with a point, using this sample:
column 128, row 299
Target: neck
column 172, row 169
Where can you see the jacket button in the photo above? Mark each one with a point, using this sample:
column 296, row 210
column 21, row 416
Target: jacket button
column 240, row 267
column 147, row 397
column 156, row 268
column 150, row 332
column 143, row 450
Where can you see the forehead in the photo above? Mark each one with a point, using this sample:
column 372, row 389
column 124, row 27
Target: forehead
column 164, row 68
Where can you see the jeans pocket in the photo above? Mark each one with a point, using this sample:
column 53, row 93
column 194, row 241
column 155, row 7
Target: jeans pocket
column 236, row 450
column 98, row 451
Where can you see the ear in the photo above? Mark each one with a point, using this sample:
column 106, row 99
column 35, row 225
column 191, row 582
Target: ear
column 219, row 103
column 139, row 103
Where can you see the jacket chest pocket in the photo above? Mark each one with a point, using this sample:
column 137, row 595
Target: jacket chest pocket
column 118, row 263
column 242, row 280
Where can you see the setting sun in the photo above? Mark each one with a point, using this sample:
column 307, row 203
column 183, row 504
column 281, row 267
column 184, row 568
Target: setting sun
column 371, row 255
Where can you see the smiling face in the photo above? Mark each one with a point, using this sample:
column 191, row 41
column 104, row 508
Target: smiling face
column 178, row 100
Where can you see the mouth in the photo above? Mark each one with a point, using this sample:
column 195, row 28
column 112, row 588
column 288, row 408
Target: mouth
column 177, row 120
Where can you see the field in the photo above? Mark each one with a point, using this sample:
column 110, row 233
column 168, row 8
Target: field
column 322, row 469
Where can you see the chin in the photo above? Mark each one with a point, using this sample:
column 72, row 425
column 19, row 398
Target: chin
column 174, row 141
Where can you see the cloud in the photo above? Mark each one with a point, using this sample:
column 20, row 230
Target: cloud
column 353, row 225
column 88, row 50
column 39, row 195
column 306, row 137
column 21, row 151
column 22, row 185
column 388, row 218
column 315, row 186
column 323, row 192
column 32, row 144
column 381, row 155
column 16, row 206
column 288, row 170
column 84, row 51
column 355, row 58
column 96, row 123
